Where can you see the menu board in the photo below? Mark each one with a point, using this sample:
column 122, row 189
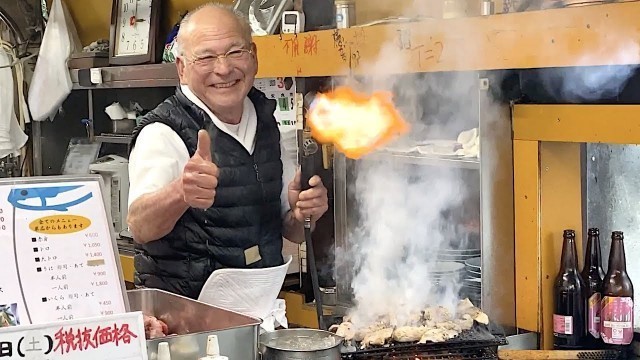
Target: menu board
column 58, row 254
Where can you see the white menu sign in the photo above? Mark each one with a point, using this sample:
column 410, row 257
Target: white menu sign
column 117, row 337
column 58, row 255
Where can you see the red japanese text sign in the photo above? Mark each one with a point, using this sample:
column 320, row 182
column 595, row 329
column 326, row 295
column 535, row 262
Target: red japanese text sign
column 114, row 337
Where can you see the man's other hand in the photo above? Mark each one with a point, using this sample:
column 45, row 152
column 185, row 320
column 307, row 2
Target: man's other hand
column 311, row 203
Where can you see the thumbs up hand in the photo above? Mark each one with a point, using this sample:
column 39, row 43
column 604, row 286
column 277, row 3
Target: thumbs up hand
column 200, row 175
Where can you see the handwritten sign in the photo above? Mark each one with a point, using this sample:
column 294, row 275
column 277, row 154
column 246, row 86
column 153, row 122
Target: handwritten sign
column 292, row 47
column 311, row 44
column 117, row 337
column 59, row 258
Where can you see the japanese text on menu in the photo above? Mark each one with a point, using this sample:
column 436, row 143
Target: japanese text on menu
column 60, row 263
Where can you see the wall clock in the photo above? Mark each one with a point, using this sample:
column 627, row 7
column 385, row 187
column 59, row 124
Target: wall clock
column 134, row 32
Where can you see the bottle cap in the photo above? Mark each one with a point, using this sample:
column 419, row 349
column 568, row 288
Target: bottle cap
column 163, row 351
column 213, row 347
column 593, row 231
column 569, row 233
column 617, row 235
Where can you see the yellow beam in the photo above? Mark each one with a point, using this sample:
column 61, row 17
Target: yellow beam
column 577, row 123
column 126, row 262
column 579, row 36
column 297, row 311
column 560, row 208
column 526, row 174
column 300, row 313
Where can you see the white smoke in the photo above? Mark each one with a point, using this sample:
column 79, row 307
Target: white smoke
column 400, row 232
column 401, row 225
column 588, row 83
column 407, row 213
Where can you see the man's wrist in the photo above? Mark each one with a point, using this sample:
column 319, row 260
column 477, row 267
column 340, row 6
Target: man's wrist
column 178, row 191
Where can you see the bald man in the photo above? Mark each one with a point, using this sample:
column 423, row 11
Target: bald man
column 206, row 170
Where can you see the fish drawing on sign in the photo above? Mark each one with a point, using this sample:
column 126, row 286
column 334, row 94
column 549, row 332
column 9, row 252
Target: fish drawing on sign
column 18, row 196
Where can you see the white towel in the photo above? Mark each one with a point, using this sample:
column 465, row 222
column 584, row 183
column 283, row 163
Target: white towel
column 253, row 292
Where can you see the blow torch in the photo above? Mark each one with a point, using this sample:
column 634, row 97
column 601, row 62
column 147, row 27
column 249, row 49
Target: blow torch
column 307, row 170
column 356, row 124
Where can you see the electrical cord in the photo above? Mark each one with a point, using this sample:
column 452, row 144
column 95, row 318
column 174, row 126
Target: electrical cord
column 18, row 61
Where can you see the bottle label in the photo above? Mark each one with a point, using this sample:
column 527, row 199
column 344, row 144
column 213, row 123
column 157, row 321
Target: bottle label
column 617, row 320
column 562, row 325
column 594, row 315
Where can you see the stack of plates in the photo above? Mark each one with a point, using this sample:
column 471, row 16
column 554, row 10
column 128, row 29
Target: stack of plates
column 460, row 256
column 443, row 272
column 473, row 281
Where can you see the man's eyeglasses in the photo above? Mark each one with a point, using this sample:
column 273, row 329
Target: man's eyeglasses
column 209, row 61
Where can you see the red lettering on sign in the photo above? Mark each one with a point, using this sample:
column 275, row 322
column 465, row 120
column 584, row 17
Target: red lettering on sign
column 292, row 47
column 311, row 44
column 68, row 340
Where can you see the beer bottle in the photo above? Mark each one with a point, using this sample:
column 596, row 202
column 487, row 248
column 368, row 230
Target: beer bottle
column 569, row 315
column 592, row 274
column 617, row 297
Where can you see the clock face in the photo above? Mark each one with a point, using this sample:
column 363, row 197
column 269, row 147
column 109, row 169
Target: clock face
column 133, row 27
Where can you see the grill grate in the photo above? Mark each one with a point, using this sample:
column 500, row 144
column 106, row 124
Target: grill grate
column 418, row 353
column 478, row 343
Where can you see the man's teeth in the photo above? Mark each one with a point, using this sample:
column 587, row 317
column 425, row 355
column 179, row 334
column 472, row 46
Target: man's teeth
column 225, row 85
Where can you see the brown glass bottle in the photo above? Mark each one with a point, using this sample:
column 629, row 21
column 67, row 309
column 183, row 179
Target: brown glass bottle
column 617, row 297
column 569, row 315
column 592, row 274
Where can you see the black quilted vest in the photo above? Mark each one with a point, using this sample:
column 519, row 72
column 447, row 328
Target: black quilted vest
column 246, row 212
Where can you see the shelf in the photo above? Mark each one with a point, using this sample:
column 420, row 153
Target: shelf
column 114, row 139
column 579, row 36
column 137, row 76
column 418, row 159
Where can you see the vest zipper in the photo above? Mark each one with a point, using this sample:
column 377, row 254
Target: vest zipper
column 255, row 167
column 259, row 178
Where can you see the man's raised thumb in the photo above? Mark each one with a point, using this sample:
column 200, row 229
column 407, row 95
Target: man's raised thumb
column 204, row 145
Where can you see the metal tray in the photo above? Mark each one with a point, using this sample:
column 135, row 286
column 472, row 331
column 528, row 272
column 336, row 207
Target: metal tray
column 193, row 322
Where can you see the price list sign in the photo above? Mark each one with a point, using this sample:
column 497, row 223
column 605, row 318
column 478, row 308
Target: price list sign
column 58, row 255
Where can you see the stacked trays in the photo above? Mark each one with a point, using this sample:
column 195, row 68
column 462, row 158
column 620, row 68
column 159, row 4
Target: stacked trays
column 460, row 256
column 473, row 282
column 447, row 272
column 458, row 272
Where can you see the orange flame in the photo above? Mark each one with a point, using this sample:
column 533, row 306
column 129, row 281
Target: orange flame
column 355, row 123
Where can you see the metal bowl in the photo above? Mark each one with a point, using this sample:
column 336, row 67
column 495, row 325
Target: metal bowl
column 300, row 344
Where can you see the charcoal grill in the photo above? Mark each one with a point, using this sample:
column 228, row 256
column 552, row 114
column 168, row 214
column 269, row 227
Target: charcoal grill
column 479, row 343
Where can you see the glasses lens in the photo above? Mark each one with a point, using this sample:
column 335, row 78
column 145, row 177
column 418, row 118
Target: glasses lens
column 235, row 54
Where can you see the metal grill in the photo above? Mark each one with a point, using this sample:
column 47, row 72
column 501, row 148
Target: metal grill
column 476, row 344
